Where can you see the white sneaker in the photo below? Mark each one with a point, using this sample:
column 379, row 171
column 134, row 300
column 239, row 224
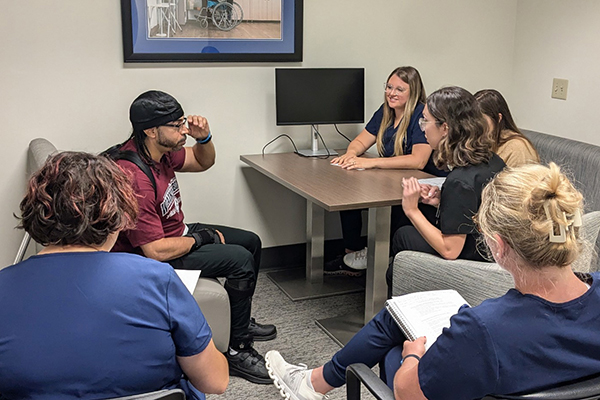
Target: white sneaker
column 291, row 380
column 356, row 260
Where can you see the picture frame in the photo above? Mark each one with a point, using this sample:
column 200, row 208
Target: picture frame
column 212, row 30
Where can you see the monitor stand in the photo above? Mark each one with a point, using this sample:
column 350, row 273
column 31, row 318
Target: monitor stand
column 315, row 152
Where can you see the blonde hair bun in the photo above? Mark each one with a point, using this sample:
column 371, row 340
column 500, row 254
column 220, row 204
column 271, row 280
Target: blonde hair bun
column 529, row 207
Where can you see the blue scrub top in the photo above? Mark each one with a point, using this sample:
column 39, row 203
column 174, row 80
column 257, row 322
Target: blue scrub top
column 95, row 325
column 414, row 135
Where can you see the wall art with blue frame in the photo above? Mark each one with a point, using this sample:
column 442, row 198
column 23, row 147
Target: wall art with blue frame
column 212, row 30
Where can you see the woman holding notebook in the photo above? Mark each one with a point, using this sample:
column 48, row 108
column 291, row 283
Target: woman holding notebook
column 541, row 333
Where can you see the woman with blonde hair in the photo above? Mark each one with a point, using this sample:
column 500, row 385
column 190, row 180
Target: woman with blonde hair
column 541, row 334
column 401, row 144
column 508, row 141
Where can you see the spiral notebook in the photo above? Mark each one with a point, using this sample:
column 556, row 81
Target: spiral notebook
column 425, row 313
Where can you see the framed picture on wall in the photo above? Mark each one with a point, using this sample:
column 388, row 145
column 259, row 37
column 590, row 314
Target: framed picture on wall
column 212, row 30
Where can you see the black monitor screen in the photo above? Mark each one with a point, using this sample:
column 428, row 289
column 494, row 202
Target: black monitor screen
column 306, row 96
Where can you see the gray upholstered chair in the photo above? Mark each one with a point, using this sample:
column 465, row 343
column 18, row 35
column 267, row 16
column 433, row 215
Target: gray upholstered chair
column 477, row 281
column 38, row 153
column 209, row 293
column 581, row 162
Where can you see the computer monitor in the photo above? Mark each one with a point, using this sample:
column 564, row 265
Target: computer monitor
column 313, row 96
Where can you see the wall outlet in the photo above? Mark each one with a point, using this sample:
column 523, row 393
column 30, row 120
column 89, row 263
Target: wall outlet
column 559, row 88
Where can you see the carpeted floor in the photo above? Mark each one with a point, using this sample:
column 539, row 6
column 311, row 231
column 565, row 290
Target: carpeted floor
column 299, row 339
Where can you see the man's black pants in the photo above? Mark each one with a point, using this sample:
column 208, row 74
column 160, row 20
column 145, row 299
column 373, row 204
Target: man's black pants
column 238, row 261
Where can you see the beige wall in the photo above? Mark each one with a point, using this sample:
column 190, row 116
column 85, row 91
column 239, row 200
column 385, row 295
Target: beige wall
column 63, row 78
column 558, row 39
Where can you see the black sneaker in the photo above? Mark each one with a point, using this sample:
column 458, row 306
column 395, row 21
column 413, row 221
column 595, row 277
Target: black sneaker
column 260, row 332
column 336, row 267
column 248, row 364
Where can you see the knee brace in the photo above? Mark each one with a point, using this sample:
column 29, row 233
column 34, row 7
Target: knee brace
column 238, row 289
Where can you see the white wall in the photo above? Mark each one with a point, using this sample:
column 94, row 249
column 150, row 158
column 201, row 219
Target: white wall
column 63, row 78
column 558, row 39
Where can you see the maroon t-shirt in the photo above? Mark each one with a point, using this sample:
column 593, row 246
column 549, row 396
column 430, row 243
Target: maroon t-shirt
column 158, row 218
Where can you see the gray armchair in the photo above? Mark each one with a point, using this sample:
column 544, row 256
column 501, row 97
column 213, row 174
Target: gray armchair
column 475, row 281
column 209, row 293
column 580, row 160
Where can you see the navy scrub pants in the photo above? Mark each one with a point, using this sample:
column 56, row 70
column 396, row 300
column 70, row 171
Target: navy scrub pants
column 380, row 337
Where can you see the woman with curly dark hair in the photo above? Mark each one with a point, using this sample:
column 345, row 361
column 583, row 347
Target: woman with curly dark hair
column 79, row 321
column 456, row 130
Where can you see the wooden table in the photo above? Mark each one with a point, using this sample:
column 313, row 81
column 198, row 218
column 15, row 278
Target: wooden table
column 330, row 188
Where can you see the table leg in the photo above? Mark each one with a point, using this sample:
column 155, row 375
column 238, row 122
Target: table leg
column 343, row 328
column 377, row 260
column 310, row 283
column 315, row 242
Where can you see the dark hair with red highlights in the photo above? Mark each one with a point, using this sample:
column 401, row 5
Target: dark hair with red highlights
column 77, row 199
column 466, row 142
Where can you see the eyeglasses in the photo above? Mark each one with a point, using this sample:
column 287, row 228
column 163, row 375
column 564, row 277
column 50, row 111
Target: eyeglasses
column 177, row 125
column 423, row 122
column 390, row 89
